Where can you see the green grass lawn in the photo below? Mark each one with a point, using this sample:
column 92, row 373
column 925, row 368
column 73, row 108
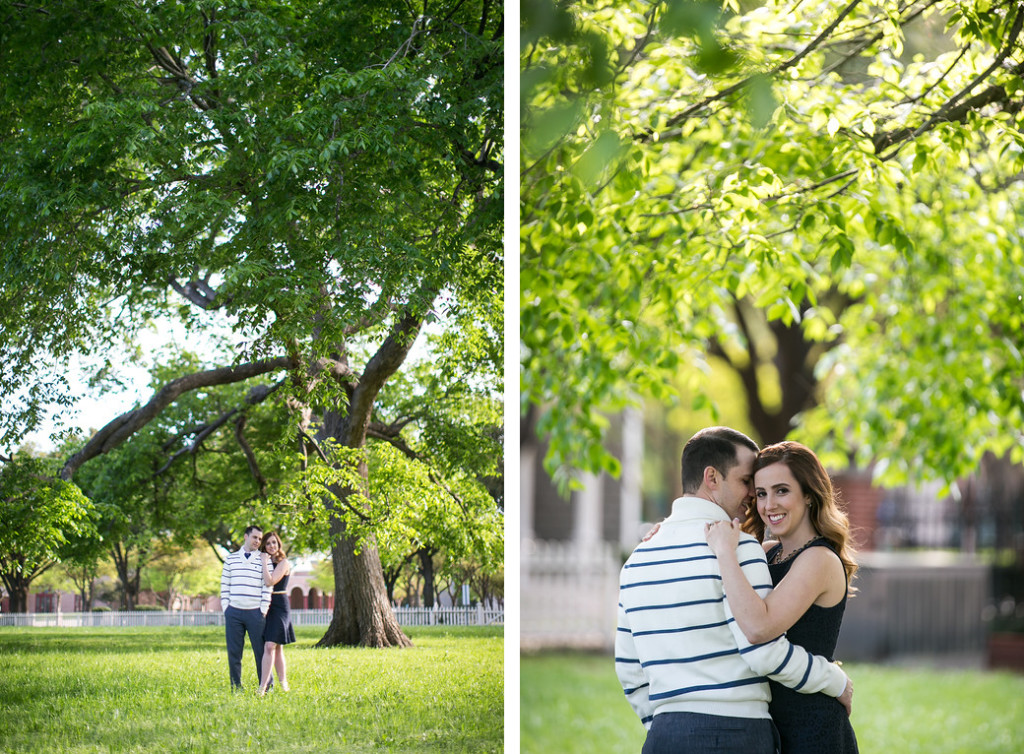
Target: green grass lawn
column 167, row 690
column 573, row 703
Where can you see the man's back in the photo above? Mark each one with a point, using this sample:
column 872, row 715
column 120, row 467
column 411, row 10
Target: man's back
column 674, row 625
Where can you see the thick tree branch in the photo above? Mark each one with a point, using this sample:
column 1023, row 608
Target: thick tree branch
column 394, row 428
column 175, row 439
column 200, row 293
column 483, row 161
column 384, row 363
column 258, row 394
column 120, row 429
column 484, row 13
column 337, row 369
column 993, row 95
column 180, row 76
column 389, row 434
column 210, row 42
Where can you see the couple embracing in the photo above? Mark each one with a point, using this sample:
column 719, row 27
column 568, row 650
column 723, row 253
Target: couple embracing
column 254, row 597
column 729, row 611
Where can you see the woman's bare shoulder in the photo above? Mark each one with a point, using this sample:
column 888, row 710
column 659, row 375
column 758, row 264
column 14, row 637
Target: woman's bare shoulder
column 822, row 560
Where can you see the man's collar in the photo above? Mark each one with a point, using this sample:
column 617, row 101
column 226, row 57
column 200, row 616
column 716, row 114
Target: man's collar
column 691, row 508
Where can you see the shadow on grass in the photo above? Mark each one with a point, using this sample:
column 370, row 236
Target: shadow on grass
column 43, row 641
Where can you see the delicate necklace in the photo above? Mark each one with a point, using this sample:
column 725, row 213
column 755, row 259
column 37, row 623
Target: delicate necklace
column 778, row 558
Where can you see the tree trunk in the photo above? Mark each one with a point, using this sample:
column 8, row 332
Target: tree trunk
column 794, row 360
column 426, row 556
column 362, row 613
column 17, row 578
column 412, row 590
column 18, row 594
column 391, row 577
column 129, row 584
column 85, row 583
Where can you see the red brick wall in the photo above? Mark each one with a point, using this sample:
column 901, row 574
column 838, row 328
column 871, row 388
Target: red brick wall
column 862, row 499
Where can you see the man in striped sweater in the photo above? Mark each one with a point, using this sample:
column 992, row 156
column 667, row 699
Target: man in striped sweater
column 685, row 666
column 245, row 600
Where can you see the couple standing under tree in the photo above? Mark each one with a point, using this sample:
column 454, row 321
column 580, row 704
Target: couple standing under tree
column 710, row 655
column 254, row 597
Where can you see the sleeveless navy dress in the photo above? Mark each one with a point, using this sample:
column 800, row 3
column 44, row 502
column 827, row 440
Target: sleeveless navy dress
column 278, row 628
column 811, row 723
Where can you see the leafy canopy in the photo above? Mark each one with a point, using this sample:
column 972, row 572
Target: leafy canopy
column 304, row 170
column 678, row 157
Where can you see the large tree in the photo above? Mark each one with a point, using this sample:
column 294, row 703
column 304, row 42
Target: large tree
column 823, row 193
column 322, row 178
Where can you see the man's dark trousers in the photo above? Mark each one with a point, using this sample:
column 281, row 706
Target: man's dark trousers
column 237, row 623
column 711, row 734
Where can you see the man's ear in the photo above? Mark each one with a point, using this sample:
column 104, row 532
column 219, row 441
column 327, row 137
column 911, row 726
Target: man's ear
column 710, row 477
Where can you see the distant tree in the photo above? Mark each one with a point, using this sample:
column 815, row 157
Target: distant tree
column 42, row 520
column 130, row 509
column 83, row 560
column 393, row 570
column 443, row 477
column 180, row 573
column 486, row 583
column 84, row 576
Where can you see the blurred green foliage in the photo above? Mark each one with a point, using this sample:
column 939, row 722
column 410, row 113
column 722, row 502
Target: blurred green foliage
column 798, row 160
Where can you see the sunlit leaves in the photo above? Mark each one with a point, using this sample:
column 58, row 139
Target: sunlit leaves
column 842, row 182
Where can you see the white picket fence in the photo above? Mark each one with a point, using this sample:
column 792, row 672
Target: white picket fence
column 407, row 616
column 569, row 594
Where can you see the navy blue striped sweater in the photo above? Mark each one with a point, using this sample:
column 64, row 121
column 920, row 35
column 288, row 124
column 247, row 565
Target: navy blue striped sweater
column 241, row 582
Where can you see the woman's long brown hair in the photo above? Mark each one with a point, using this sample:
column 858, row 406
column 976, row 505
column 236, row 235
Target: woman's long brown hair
column 280, row 546
column 827, row 517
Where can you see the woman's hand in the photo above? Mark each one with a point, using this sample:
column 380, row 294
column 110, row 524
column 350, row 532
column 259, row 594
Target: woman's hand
column 723, row 536
column 847, row 698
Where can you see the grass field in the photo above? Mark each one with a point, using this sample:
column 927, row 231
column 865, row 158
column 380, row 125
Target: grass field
column 167, row 690
column 573, row 703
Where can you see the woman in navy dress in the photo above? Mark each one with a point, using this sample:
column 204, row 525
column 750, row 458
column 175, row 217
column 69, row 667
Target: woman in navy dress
column 278, row 631
column 811, row 564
